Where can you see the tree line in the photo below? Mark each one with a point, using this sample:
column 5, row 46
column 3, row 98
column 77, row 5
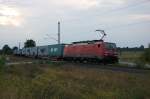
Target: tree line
column 140, row 48
column 145, row 57
column 7, row 50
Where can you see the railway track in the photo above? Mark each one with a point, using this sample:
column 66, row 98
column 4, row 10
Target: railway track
column 112, row 67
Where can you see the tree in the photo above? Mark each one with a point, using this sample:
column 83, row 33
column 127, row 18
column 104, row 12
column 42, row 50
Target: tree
column 145, row 57
column 15, row 48
column 141, row 47
column 6, row 50
column 149, row 45
column 0, row 51
column 29, row 43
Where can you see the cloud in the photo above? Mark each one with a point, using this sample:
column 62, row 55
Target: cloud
column 111, row 3
column 82, row 4
column 78, row 18
column 78, row 4
column 10, row 16
column 140, row 17
column 115, row 2
column 85, row 4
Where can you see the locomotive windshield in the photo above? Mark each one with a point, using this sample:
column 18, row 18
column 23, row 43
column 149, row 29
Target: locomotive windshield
column 110, row 45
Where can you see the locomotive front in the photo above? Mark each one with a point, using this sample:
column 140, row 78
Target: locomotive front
column 110, row 52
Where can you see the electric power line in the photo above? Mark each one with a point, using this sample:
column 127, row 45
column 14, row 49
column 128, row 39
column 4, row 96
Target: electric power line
column 126, row 25
column 133, row 5
column 126, row 7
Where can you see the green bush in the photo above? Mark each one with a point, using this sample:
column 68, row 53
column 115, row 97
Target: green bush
column 143, row 59
column 146, row 56
column 2, row 61
column 140, row 64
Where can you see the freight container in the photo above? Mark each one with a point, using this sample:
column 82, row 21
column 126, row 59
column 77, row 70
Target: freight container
column 56, row 50
column 27, row 51
column 34, row 51
column 43, row 51
column 23, row 52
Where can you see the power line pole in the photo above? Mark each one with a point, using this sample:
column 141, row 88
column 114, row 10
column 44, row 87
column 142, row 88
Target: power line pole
column 59, row 33
column 58, row 39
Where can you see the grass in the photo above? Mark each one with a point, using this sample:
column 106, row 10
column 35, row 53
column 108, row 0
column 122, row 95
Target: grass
column 22, row 59
column 140, row 58
column 2, row 63
column 130, row 56
column 63, row 81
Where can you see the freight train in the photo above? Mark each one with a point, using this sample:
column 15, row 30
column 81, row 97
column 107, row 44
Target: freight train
column 90, row 51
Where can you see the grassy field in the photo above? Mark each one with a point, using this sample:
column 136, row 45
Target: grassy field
column 130, row 56
column 63, row 81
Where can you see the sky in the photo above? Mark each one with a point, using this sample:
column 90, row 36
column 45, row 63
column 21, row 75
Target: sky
column 126, row 22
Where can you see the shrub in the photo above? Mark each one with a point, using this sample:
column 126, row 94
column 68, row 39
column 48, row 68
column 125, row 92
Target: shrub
column 143, row 59
column 146, row 56
column 140, row 64
column 2, row 62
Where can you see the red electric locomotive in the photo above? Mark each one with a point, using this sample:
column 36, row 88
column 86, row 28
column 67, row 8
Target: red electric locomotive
column 96, row 50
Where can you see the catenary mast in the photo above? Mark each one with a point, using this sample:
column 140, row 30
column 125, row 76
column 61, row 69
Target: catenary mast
column 59, row 33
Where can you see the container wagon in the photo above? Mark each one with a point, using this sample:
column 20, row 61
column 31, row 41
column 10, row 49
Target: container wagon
column 51, row 51
column 48, row 51
column 34, row 52
column 43, row 51
column 56, row 51
column 23, row 53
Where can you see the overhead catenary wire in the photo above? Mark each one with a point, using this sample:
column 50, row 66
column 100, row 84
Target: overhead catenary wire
column 49, row 37
column 136, row 4
column 133, row 5
column 124, row 8
column 126, row 25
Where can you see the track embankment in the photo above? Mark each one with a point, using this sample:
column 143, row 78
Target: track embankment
column 111, row 67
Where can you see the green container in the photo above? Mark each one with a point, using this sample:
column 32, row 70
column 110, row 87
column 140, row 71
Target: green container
column 56, row 50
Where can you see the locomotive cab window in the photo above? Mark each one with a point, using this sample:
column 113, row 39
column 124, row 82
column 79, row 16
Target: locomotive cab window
column 110, row 46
